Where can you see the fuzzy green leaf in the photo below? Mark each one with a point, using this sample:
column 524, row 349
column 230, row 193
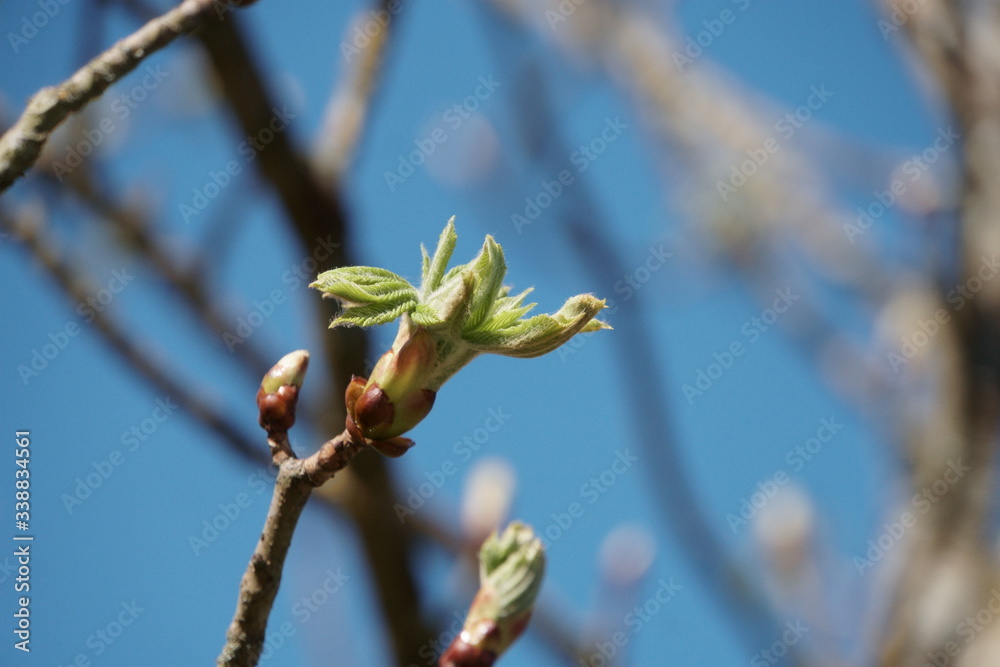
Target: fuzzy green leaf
column 451, row 300
column 363, row 285
column 488, row 270
column 507, row 310
column 540, row 334
column 369, row 295
column 425, row 265
column 434, row 270
column 373, row 314
column 426, row 316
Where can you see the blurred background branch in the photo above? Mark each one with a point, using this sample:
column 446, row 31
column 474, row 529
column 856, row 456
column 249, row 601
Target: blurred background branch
column 21, row 145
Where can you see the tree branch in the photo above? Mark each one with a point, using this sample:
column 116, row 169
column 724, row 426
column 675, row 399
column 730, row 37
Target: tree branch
column 21, row 145
column 276, row 400
column 950, row 568
column 294, row 484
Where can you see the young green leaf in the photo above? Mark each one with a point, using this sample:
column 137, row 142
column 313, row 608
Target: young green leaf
column 435, row 268
column 540, row 334
column 369, row 295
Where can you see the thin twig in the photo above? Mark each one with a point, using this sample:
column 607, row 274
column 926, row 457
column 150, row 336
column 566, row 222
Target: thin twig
column 21, row 145
column 294, row 484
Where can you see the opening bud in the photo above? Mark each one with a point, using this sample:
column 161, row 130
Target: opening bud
column 396, row 397
column 511, row 567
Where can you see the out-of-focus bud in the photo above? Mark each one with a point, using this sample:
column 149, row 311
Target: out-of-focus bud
column 784, row 530
column 511, row 568
column 489, row 491
column 626, row 555
column 279, row 391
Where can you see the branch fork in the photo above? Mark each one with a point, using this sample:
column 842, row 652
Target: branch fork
column 276, row 401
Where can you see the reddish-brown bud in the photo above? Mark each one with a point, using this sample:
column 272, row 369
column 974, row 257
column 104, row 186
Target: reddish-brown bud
column 373, row 411
column 277, row 410
column 354, row 390
column 393, row 447
column 279, row 392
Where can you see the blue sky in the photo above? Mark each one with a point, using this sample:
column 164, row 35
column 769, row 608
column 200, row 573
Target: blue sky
column 126, row 547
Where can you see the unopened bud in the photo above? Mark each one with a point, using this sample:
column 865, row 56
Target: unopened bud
column 279, row 392
column 290, row 370
column 488, row 495
column 626, row 555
